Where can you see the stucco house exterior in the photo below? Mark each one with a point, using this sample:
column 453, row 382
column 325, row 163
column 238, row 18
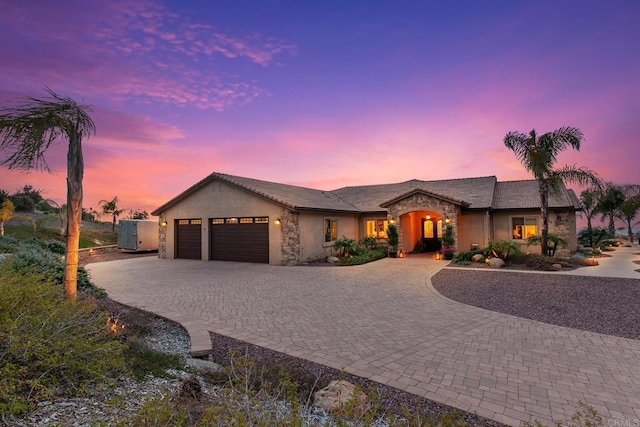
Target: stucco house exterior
column 232, row 218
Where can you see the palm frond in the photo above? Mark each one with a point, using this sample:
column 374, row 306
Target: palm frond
column 28, row 130
column 578, row 175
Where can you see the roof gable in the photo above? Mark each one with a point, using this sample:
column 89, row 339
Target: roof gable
column 426, row 193
column 289, row 196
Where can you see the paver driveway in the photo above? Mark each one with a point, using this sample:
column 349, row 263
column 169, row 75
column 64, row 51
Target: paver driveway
column 384, row 321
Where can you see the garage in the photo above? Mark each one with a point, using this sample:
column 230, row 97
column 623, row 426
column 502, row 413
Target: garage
column 240, row 239
column 189, row 238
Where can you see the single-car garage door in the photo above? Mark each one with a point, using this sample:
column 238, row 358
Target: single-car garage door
column 240, row 239
column 189, row 238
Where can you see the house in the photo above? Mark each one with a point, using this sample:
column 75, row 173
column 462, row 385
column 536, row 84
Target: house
column 232, row 218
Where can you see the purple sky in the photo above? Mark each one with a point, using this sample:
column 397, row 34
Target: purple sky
column 323, row 93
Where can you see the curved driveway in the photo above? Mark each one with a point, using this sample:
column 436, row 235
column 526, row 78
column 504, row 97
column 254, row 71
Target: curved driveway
column 384, row 321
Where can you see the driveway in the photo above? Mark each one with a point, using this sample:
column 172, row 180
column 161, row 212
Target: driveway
column 384, row 321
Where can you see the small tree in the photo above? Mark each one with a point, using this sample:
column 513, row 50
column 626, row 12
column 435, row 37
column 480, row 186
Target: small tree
column 393, row 238
column 553, row 240
column 7, row 210
column 111, row 208
column 589, row 207
column 27, row 132
column 609, row 204
column 538, row 154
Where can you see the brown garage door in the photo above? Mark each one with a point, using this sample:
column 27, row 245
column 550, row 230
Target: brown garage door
column 240, row 239
column 189, row 238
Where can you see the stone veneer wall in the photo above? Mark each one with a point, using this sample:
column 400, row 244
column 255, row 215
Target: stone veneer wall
column 564, row 227
column 423, row 202
column 290, row 229
column 162, row 237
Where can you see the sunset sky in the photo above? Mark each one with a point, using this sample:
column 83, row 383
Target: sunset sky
column 322, row 93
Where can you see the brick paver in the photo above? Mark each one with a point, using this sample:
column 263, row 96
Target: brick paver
column 384, row 321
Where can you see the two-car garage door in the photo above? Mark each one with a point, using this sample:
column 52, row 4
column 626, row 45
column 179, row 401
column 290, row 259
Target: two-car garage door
column 230, row 239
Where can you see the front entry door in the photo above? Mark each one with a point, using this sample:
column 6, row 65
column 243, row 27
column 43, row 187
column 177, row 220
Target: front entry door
column 430, row 238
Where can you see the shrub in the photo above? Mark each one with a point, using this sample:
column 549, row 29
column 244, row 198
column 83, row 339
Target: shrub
column 369, row 242
column 553, row 241
column 346, row 246
column 592, row 237
column 465, row 257
column 502, row 249
column 49, row 346
column 366, row 256
column 38, row 256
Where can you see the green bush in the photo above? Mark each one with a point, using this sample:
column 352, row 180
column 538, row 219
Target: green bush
column 44, row 257
column 346, row 246
column 50, row 347
column 366, row 256
column 465, row 257
column 502, row 249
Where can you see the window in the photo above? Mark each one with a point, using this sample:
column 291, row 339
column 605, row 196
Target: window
column 330, row 230
column 376, row 228
column 523, row 228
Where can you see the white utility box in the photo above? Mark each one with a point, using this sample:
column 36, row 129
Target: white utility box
column 138, row 235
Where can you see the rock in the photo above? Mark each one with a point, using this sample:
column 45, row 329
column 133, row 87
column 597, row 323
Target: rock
column 556, row 267
column 477, row 258
column 333, row 259
column 495, row 263
column 337, row 394
column 578, row 256
column 203, row 365
column 591, row 261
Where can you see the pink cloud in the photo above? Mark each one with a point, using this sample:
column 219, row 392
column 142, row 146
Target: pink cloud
column 111, row 50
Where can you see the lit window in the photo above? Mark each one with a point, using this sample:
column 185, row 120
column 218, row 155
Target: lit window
column 262, row 220
column 377, row 228
column 231, row 220
column 217, row 221
column 330, row 230
column 246, row 220
column 196, row 221
column 523, row 228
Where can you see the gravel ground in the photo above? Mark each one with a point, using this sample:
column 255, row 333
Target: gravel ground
column 596, row 304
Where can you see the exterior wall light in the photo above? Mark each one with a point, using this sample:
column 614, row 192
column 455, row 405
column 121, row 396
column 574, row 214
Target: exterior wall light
column 163, row 223
column 392, row 221
column 428, row 216
column 277, row 221
column 447, row 220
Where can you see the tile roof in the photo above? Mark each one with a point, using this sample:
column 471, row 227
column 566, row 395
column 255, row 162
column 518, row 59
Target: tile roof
column 477, row 192
column 524, row 195
column 290, row 196
column 472, row 193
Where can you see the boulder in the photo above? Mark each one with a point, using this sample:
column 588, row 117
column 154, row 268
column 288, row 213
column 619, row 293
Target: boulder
column 495, row 263
column 477, row 258
column 339, row 393
column 556, row 267
column 578, row 256
column 333, row 259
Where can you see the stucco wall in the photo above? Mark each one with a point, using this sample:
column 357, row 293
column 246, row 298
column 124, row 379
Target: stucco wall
column 473, row 228
column 312, row 244
column 220, row 200
column 562, row 223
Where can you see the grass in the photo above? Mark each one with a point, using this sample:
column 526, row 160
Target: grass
column 88, row 237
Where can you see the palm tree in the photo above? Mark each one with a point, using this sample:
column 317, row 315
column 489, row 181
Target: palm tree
column 538, row 154
column 588, row 206
column 110, row 207
column 26, row 133
column 630, row 207
column 609, row 204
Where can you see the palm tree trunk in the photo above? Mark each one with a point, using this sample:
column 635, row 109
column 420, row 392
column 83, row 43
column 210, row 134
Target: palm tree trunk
column 544, row 208
column 75, row 171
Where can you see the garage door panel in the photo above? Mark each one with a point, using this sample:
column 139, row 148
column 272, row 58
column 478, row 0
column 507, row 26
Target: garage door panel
column 240, row 242
column 188, row 239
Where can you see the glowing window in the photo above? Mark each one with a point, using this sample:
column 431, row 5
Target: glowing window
column 262, row 220
column 246, row 220
column 196, row 221
column 217, row 221
column 376, row 228
column 231, row 220
column 330, row 230
column 523, row 228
